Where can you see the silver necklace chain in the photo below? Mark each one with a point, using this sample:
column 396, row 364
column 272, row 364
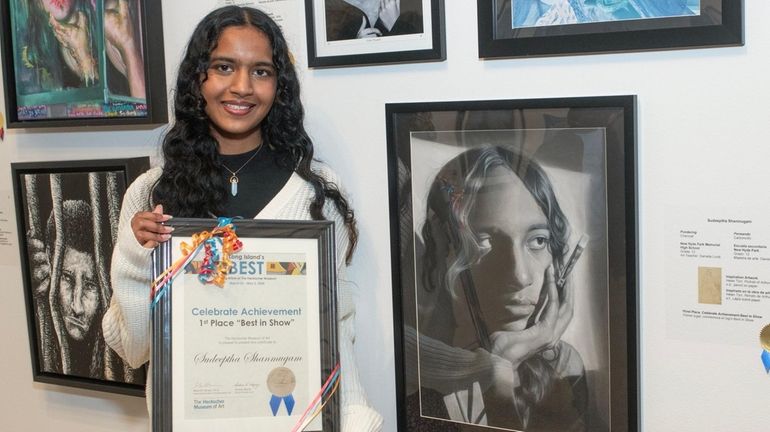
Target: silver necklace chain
column 234, row 174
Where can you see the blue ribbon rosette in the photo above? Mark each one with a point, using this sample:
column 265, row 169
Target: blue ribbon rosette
column 281, row 382
column 275, row 403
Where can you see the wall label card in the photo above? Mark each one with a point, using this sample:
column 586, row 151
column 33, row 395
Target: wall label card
column 718, row 273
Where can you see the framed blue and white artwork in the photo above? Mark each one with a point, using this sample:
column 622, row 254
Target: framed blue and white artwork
column 527, row 28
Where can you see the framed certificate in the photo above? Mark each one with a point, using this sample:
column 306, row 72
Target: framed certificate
column 253, row 354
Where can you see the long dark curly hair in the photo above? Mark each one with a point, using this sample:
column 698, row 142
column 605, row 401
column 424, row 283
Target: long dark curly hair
column 191, row 184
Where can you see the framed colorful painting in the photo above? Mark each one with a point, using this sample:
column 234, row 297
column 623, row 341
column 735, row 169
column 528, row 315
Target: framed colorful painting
column 526, row 28
column 83, row 62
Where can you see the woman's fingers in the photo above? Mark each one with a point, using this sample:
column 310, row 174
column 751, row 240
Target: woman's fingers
column 566, row 309
column 551, row 310
column 148, row 227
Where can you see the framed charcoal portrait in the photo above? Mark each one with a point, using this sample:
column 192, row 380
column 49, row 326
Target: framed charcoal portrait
column 514, row 264
column 67, row 215
column 83, row 62
column 366, row 32
column 526, row 28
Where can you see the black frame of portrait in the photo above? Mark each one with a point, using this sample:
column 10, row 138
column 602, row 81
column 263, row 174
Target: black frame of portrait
column 163, row 256
column 131, row 168
column 154, row 75
column 616, row 116
column 364, row 57
column 719, row 24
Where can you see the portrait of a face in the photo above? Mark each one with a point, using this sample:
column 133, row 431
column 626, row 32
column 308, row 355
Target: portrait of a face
column 70, row 223
column 514, row 236
column 78, row 293
column 495, row 224
column 240, row 84
column 512, row 230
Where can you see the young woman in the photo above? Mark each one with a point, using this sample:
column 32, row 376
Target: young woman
column 494, row 228
column 237, row 148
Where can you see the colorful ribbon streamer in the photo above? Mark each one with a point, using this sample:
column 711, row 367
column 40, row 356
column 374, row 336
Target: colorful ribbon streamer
column 766, row 360
column 317, row 405
column 217, row 244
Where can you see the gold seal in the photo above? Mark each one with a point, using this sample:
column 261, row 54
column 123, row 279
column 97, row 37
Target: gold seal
column 764, row 338
column 281, row 381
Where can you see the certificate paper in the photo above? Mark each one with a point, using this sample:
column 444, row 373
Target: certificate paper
column 249, row 355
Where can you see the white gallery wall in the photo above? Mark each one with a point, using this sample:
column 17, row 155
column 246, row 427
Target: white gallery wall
column 703, row 143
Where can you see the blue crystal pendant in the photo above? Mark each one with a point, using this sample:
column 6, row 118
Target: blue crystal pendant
column 234, row 185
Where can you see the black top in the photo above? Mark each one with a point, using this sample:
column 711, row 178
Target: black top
column 258, row 181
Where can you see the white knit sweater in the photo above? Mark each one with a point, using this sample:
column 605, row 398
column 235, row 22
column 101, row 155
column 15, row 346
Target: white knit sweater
column 126, row 323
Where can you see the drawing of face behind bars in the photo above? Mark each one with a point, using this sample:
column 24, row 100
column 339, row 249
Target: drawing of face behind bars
column 69, row 252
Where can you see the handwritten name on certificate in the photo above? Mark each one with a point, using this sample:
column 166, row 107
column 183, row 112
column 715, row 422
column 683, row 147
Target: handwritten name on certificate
column 251, row 349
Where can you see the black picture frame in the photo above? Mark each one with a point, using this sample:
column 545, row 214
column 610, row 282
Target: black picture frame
column 162, row 313
column 418, row 34
column 718, row 23
column 66, row 344
column 41, row 91
column 447, row 299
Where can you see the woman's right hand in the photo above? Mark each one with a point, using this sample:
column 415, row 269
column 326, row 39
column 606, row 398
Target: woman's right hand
column 148, row 227
column 517, row 346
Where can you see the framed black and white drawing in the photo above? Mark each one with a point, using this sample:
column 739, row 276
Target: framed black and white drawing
column 526, row 28
column 67, row 214
column 252, row 353
column 366, row 32
column 83, row 62
column 513, row 227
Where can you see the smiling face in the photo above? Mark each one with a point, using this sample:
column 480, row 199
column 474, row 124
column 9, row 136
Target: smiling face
column 239, row 88
column 510, row 224
column 78, row 293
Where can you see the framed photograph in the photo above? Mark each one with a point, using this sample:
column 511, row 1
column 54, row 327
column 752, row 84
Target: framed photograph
column 67, row 214
column 526, row 28
column 513, row 227
column 252, row 354
column 367, row 32
column 83, row 62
